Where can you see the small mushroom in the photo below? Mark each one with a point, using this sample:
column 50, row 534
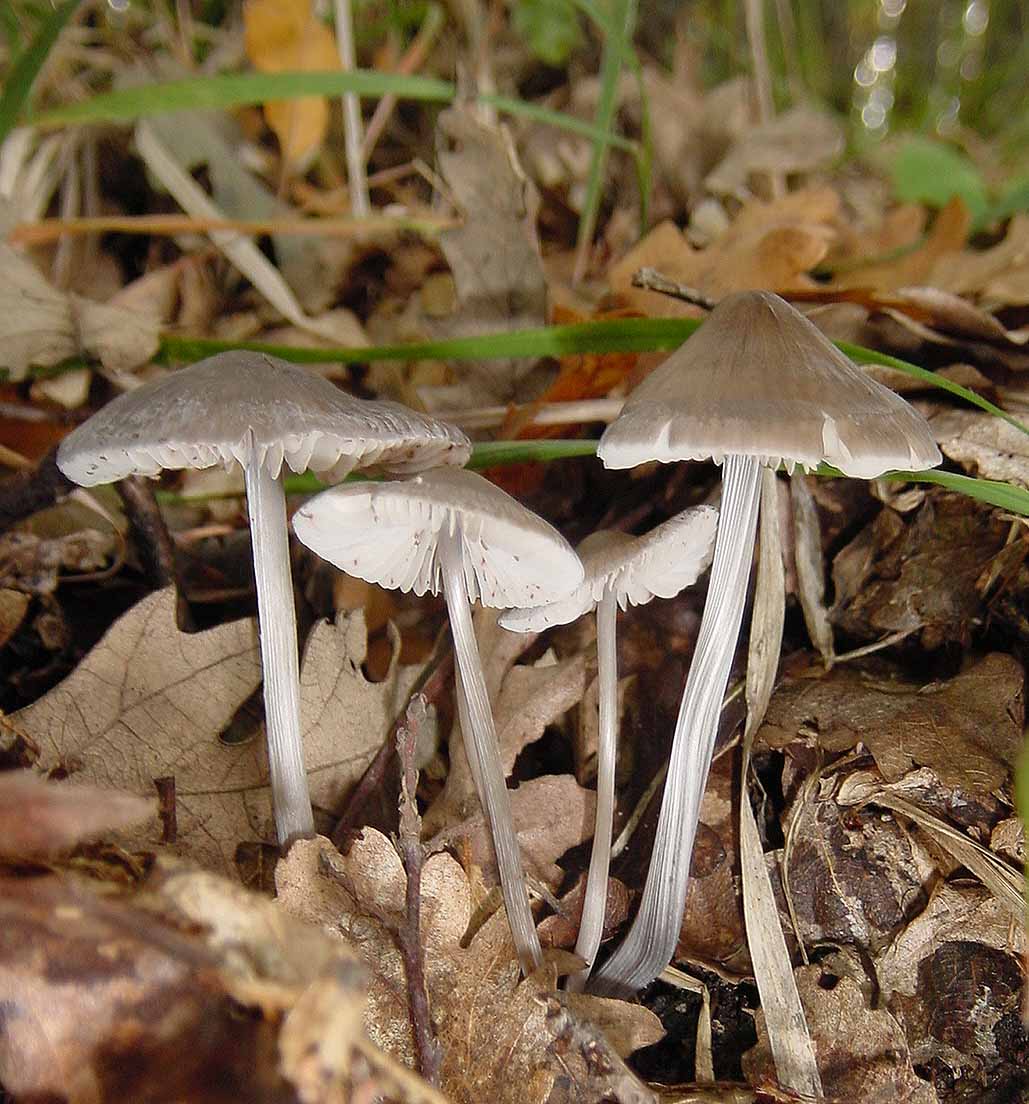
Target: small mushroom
column 756, row 384
column 258, row 411
column 453, row 531
column 620, row 571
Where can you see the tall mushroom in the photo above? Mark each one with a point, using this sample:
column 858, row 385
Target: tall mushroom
column 756, row 384
column 453, row 531
column 620, row 571
column 258, row 411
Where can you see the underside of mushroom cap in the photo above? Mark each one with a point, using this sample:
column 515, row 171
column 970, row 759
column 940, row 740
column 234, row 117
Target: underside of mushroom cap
column 241, row 404
column 389, row 533
column 759, row 379
column 660, row 564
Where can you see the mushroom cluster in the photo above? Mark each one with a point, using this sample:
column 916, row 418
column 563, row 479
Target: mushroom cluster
column 756, row 385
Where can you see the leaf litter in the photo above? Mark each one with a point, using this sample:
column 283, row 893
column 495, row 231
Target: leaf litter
column 880, row 802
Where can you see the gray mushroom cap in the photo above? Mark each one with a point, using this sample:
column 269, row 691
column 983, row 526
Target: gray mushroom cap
column 759, row 379
column 660, row 564
column 388, row 533
column 222, row 408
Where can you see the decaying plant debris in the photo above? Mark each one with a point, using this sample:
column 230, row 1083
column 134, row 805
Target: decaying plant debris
column 154, row 942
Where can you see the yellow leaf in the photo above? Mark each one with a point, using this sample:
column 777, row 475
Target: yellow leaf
column 286, row 36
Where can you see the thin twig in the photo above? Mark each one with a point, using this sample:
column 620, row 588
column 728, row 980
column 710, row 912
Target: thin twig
column 152, row 539
column 430, row 686
column 25, row 492
column 357, row 181
column 51, row 229
column 427, row 1048
column 653, row 280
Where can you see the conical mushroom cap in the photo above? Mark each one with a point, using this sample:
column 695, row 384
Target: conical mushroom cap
column 388, row 533
column 222, row 408
column 660, row 564
column 759, row 379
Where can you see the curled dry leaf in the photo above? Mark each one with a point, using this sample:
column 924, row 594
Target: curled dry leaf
column 967, row 729
column 32, row 564
column 954, row 980
column 190, row 988
column 38, row 817
column 985, row 445
column 150, row 702
column 494, row 254
column 919, row 574
column 41, row 326
column 862, row 1054
column 502, row 1038
column 855, row 876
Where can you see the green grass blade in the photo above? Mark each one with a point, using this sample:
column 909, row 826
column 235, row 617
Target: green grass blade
column 229, row 90
column 24, row 71
column 623, row 335
column 620, row 32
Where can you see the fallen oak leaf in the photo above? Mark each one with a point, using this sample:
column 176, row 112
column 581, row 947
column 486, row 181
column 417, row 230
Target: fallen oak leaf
column 501, row 1037
column 38, row 817
column 150, row 702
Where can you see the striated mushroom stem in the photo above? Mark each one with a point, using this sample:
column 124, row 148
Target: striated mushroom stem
column 650, row 944
column 484, row 755
column 266, row 505
column 595, row 900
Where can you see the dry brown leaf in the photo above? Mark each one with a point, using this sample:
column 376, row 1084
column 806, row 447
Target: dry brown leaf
column 862, row 1053
column 918, row 266
column 855, row 876
column 996, row 277
column 797, row 141
column 967, row 729
column 287, row 36
column 150, row 702
column 190, row 988
column 769, row 246
column 713, row 931
column 525, row 699
column 494, row 255
column 551, row 814
column 920, row 574
column 502, row 1038
column 954, row 980
column 38, row 817
column 41, row 326
column 985, row 445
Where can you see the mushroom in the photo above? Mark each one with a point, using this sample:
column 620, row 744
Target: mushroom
column 259, row 411
column 756, row 384
column 453, row 530
column 620, row 571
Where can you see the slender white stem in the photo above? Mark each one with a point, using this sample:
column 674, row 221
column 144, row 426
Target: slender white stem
column 484, row 754
column 595, row 900
column 650, row 944
column 266, row 504
column 353, row 136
